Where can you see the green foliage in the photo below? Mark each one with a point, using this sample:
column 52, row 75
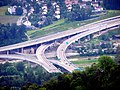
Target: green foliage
column 117, row 57
column 78, row 13
column 30, row 86
column 105, row 63
column 4, row 88
column 11, row 70
column 3, row 10
column 104, row 75
column 85, row 61
column 19, row 11
column 21, row 73
column 20, row 66
column 10, row 34
column 6, row 2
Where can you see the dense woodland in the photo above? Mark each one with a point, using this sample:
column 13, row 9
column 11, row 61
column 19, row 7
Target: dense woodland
column 15, row 75
column 102, row 75
column 10, row 34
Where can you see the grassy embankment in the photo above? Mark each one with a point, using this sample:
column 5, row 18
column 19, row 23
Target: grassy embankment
column 84, row 63
column 4, row 19
column 62, row 25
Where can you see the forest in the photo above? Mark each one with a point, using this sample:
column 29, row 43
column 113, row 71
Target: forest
column 16, row 75
column 10, row 34
column 102, row 75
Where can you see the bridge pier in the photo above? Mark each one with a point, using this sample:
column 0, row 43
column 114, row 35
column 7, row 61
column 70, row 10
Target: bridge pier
column 22, row 50
column 32, row 51
column 7, row 52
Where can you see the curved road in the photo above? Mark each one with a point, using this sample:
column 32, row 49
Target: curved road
column 20, row 57
column 62, row 48
column 85, row 30
column 54, row 36
column 42, row 59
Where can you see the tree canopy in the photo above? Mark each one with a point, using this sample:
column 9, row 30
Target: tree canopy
column 10, row 34
column 103, row 75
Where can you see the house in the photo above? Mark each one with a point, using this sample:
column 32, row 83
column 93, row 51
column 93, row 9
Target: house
column 82, row 4
column 94, row 4
column 71, row 2
column 68, row 2
column 86, row 0
column 44, row 13
column 69, row 7
column 12, row 9
column 57, row 12
column 57, row 16
column 44, row 7
column 45, row 10
column 57, row 6
column 27, row 23
column 97, row 9
column 54, row 4
column 24, row 11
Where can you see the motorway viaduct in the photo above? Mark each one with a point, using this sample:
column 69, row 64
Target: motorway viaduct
column 38, row 46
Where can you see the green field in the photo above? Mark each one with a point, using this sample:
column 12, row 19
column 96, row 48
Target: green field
column 3, row 10
column 4, row 19
column 63, row 25
column 85, row 61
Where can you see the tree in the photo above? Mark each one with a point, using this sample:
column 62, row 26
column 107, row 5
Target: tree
column 11, row 70
column 106, row 63
column 117, row 57
column 51, row 84
column 10, row 34
column 6, row 2
column 30, row 86
column 19, row 11
column 20, row 66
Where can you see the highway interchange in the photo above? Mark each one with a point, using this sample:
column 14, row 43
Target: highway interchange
column 62, row 61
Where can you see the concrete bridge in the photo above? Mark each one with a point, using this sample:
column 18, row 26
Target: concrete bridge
column 36, row 48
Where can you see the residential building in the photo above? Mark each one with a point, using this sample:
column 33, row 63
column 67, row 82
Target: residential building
column 71, row 1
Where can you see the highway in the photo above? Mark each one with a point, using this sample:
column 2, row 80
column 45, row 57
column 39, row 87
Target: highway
column 20, row 57
column 55, row 36
column 40, row 53
column 62, row 48
column 63, row 61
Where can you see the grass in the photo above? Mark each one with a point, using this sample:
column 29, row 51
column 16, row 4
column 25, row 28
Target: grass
column 85, row 61
column 3, row 10
column 4, row 19
column 8, row 19
column 46, row 30
column 62, row 25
